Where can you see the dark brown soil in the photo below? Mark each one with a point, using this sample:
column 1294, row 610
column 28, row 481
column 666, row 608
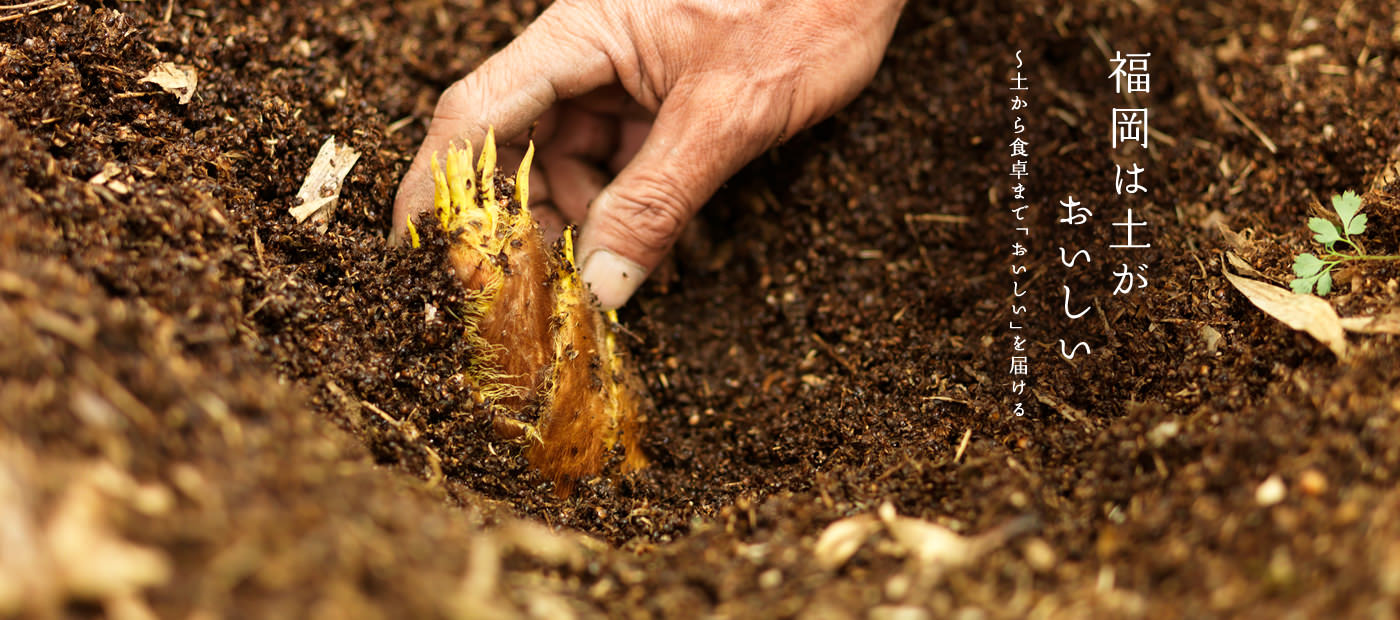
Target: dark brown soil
column 819, row 348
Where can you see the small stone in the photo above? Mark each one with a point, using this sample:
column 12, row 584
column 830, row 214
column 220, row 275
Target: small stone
column 1312, row 482
column 1271, row 491
column 770, row 579
column 1039, row 555
column 1163, row 433
column 897, row 587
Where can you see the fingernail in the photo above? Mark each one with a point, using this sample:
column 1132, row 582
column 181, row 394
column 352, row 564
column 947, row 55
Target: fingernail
column 612, row 278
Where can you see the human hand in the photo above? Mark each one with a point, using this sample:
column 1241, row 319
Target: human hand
column 673, row 97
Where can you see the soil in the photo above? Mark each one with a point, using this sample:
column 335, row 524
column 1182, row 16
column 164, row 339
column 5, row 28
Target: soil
column 272, row 413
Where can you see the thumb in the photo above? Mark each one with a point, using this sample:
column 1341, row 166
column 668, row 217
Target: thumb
column 693, row 147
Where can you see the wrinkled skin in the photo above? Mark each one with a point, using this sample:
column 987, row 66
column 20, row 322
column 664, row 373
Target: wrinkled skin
column 645, row 107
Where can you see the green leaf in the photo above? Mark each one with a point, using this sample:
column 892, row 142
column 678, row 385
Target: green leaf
column 1327, row 232
column 1324, row 284
column 1346, row 205
column 1357, row 225
column 1307, row 266
column 1302, row 286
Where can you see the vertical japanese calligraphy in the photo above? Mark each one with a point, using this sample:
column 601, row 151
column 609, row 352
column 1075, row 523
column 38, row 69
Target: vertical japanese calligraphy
column 1130, row 75
column 1020, row 366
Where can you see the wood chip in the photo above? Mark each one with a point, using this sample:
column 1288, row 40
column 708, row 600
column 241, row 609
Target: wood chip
column 1212, row 339
column 842, row 539
column 178, row 80
column 1301, row 312
column 930, row 544
column 320, row 191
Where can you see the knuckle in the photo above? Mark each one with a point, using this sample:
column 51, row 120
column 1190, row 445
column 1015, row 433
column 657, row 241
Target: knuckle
column 752, row 126
column 454, row 102
column 652, row 213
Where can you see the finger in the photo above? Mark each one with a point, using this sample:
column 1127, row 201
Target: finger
column 547, row 62
column 574, row 183
column 613, row 100
column 583, row 133
column 633, row 134
column 693, row 147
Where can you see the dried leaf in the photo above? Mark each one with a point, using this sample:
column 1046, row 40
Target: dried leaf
column 1388, row 323
column 320, row 190
column 842, row 539
column 1216, row 220
column 1389, row 174
column 1244, row 268
column 178, row 80
column 1301, row 312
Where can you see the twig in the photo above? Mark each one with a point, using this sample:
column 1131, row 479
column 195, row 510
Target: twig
column 9, row 18
column 1249, row 124
column 258, row 249
column 943, row 218
column 962, row 445
column 949, row 399
column 397, row 125
column 1070, row 412
column 834, row 355
column 23, row 5
column 923, row 252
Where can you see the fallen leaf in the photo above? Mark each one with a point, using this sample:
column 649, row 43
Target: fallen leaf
column 320, row 191
column 1388, row 323
column 1301, row 312
column 1215, row 220
column 1243, row 267
column 178, row 80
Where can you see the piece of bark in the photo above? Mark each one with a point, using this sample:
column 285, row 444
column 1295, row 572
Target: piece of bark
column 320, row 191
column 178, row 80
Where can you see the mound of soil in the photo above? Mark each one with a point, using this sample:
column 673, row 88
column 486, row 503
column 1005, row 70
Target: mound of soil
column 233, row 414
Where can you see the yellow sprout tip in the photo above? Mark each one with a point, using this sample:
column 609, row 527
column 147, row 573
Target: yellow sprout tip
column 413, row 238
column 442, row 203
column 522, row 177
column 569, row 247
column 487, row 163
column 486, row 167
column 458, row 172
